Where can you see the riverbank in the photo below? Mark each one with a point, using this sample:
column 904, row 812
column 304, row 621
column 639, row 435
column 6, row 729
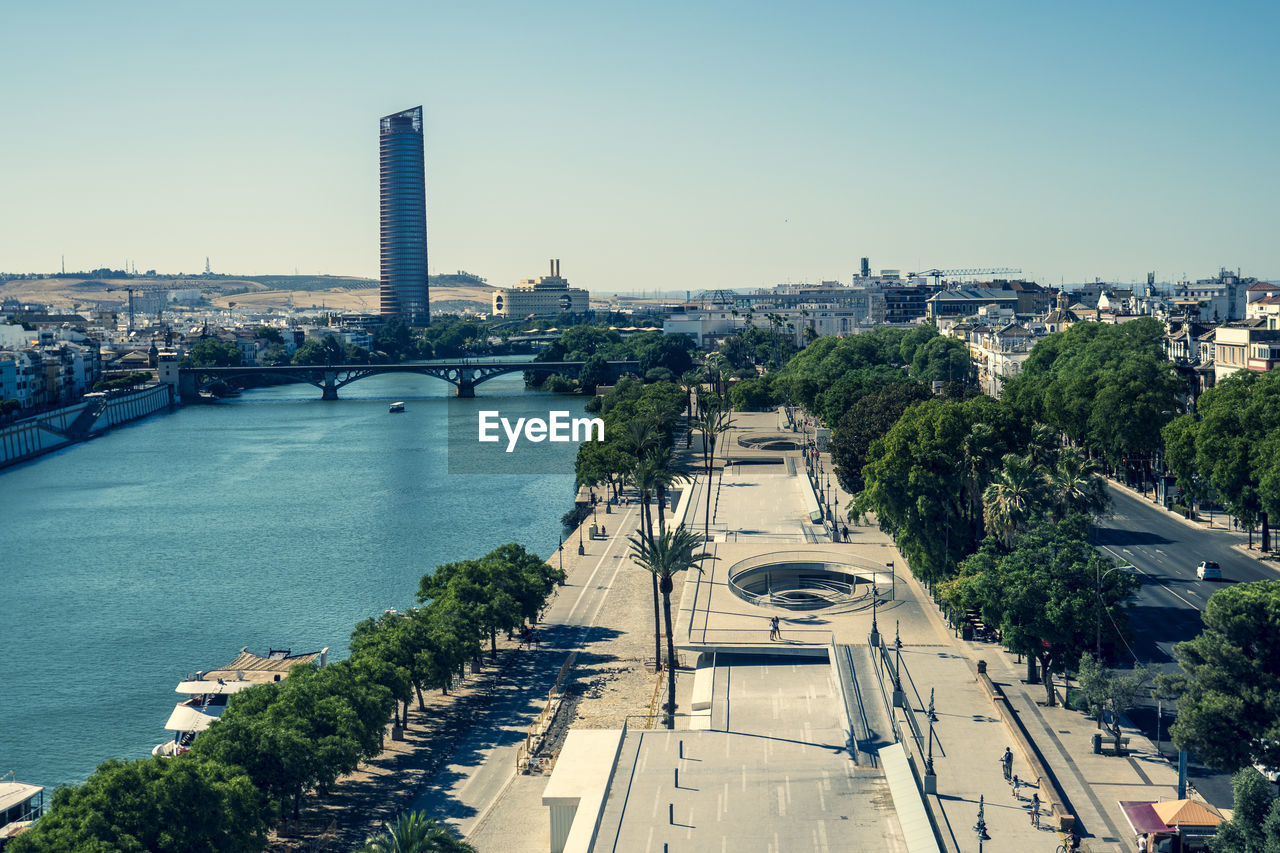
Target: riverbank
column 54, row 430
column 460, row 753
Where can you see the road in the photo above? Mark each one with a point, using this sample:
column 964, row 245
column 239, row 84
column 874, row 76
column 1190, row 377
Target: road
column 1165, row 551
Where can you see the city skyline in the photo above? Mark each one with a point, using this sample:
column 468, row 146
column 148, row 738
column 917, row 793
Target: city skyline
column 658, row 149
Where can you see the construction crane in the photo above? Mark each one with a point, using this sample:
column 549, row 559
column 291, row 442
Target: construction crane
column 971, row 272
column 143, row 288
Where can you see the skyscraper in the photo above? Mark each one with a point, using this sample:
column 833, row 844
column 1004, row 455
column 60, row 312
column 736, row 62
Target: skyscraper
column 403, row 217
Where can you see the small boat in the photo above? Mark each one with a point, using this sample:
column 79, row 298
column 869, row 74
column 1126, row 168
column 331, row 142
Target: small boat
column 20, row 806
column 208, row 692
column 395, row 407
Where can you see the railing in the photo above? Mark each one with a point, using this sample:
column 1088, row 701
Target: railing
column 752, row 636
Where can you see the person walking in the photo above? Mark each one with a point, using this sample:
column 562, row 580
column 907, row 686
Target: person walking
column 775, row 630
column 1007, row 761
column 1016, row 784
column 844, row 533
column 1035, row 810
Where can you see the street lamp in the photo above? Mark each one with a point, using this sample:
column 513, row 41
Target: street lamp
column 875, row 629
column 981, row 826
column 1101, row 575
column 930, row 777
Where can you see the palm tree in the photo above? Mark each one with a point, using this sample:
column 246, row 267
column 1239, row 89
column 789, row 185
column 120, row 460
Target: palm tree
column 1011, row 499
column 414, row 832
column 671, row 552
column 711, row 422
column 979, row 450
column 1043, row 446
column 690, row 382
column 645, row 478
column 1076, row 485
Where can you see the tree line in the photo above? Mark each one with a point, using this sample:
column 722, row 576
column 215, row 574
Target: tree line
column 275, row 742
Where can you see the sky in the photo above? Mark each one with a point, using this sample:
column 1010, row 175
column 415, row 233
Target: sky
column 650, row 145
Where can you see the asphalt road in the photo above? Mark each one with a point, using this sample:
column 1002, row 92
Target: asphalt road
column 1165, row 551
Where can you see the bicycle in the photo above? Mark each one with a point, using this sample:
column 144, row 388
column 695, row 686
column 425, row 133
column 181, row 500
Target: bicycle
column 1070, row 843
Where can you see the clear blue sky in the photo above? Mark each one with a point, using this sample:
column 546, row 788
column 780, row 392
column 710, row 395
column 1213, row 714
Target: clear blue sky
column 647, row 145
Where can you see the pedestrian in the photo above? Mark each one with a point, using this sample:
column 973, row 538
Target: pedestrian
column 1007, row 761
column 775, row 631
column 1035, row 810
column 1142, row 844
column 1016, row 794
column 844, row 532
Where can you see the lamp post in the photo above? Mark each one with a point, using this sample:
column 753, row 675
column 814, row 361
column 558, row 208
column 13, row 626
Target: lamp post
column 981, row 826
column 930, row 778
column 1101, row 575
column 581, row 549
column 898, row 697
column 875, row 629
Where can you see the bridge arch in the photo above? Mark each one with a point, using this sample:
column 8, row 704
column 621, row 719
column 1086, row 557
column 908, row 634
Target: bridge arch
column 463, row 375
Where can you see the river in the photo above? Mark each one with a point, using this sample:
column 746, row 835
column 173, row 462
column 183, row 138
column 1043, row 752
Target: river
column 272, row 520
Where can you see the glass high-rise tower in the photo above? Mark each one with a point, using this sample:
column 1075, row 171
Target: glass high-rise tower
column 403, row 220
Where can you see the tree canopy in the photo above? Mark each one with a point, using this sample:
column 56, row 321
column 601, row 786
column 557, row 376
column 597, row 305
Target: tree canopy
column 1229, row 712
column 183, row 804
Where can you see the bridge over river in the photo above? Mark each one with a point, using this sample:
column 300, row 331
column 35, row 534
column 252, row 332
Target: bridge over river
column 463, row 375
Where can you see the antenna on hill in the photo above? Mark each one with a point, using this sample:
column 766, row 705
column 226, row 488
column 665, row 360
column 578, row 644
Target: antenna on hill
column 206, row 265
column 64, row 264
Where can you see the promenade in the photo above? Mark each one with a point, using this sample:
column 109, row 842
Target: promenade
column 597, row 635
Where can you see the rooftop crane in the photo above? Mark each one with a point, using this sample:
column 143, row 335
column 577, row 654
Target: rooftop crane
column 972, row 272
column 141, row 288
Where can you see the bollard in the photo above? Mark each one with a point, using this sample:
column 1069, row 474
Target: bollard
column 677, row 769
column 671, row 813
column 682, row 749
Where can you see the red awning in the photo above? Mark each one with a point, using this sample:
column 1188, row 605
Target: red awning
column 1143, row 818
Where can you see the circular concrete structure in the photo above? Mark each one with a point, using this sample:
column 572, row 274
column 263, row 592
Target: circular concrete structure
column 808, row 580
column 768, row 441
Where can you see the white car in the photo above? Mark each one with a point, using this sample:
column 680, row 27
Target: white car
column 1209, row 571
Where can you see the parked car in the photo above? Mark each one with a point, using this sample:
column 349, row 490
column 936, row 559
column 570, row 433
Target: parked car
column 1209, row 571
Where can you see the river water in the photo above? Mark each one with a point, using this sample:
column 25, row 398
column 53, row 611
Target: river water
column 273, row 520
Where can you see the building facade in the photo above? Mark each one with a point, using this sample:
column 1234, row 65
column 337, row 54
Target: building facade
column 546, row 296
column 403, row 217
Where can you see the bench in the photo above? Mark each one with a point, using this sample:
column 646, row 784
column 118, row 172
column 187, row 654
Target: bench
column 1107, row 745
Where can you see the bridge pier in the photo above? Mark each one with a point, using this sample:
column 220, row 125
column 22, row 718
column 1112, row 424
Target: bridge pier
column 466, row 389
column 330, row 389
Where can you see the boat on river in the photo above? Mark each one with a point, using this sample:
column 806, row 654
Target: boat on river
column 208, row 692
column 397, row 406
column 20, row 806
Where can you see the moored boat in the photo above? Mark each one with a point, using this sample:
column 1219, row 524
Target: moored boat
column 208, row 692
column 397, row 406
column 20, row 806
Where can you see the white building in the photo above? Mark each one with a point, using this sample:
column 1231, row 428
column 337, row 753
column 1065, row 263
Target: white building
column 546, row 296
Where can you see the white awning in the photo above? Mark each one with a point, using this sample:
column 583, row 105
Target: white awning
column 210, row 688
column 13, row 793
column 187, row 719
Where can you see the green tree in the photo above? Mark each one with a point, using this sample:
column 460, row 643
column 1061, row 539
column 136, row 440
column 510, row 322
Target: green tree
column 1013, row 498
column 594, row 371
column 269, row 334
column 1255, row 822
column 671, row 552
column 712, row 422
column 753, row 395
column 860, row 426
column 917, row 490
column 1229, row 445
column 1107, row 693
column 182, row 804
column 211, row 352
column 1229, row 713
column 1106, row 387
column 1047, row 592
column 414, row 832
column 1075, row 485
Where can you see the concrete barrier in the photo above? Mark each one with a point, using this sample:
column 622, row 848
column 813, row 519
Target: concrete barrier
column 1052, row 795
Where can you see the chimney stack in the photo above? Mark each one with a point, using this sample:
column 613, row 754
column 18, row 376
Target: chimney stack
column 553, row 267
